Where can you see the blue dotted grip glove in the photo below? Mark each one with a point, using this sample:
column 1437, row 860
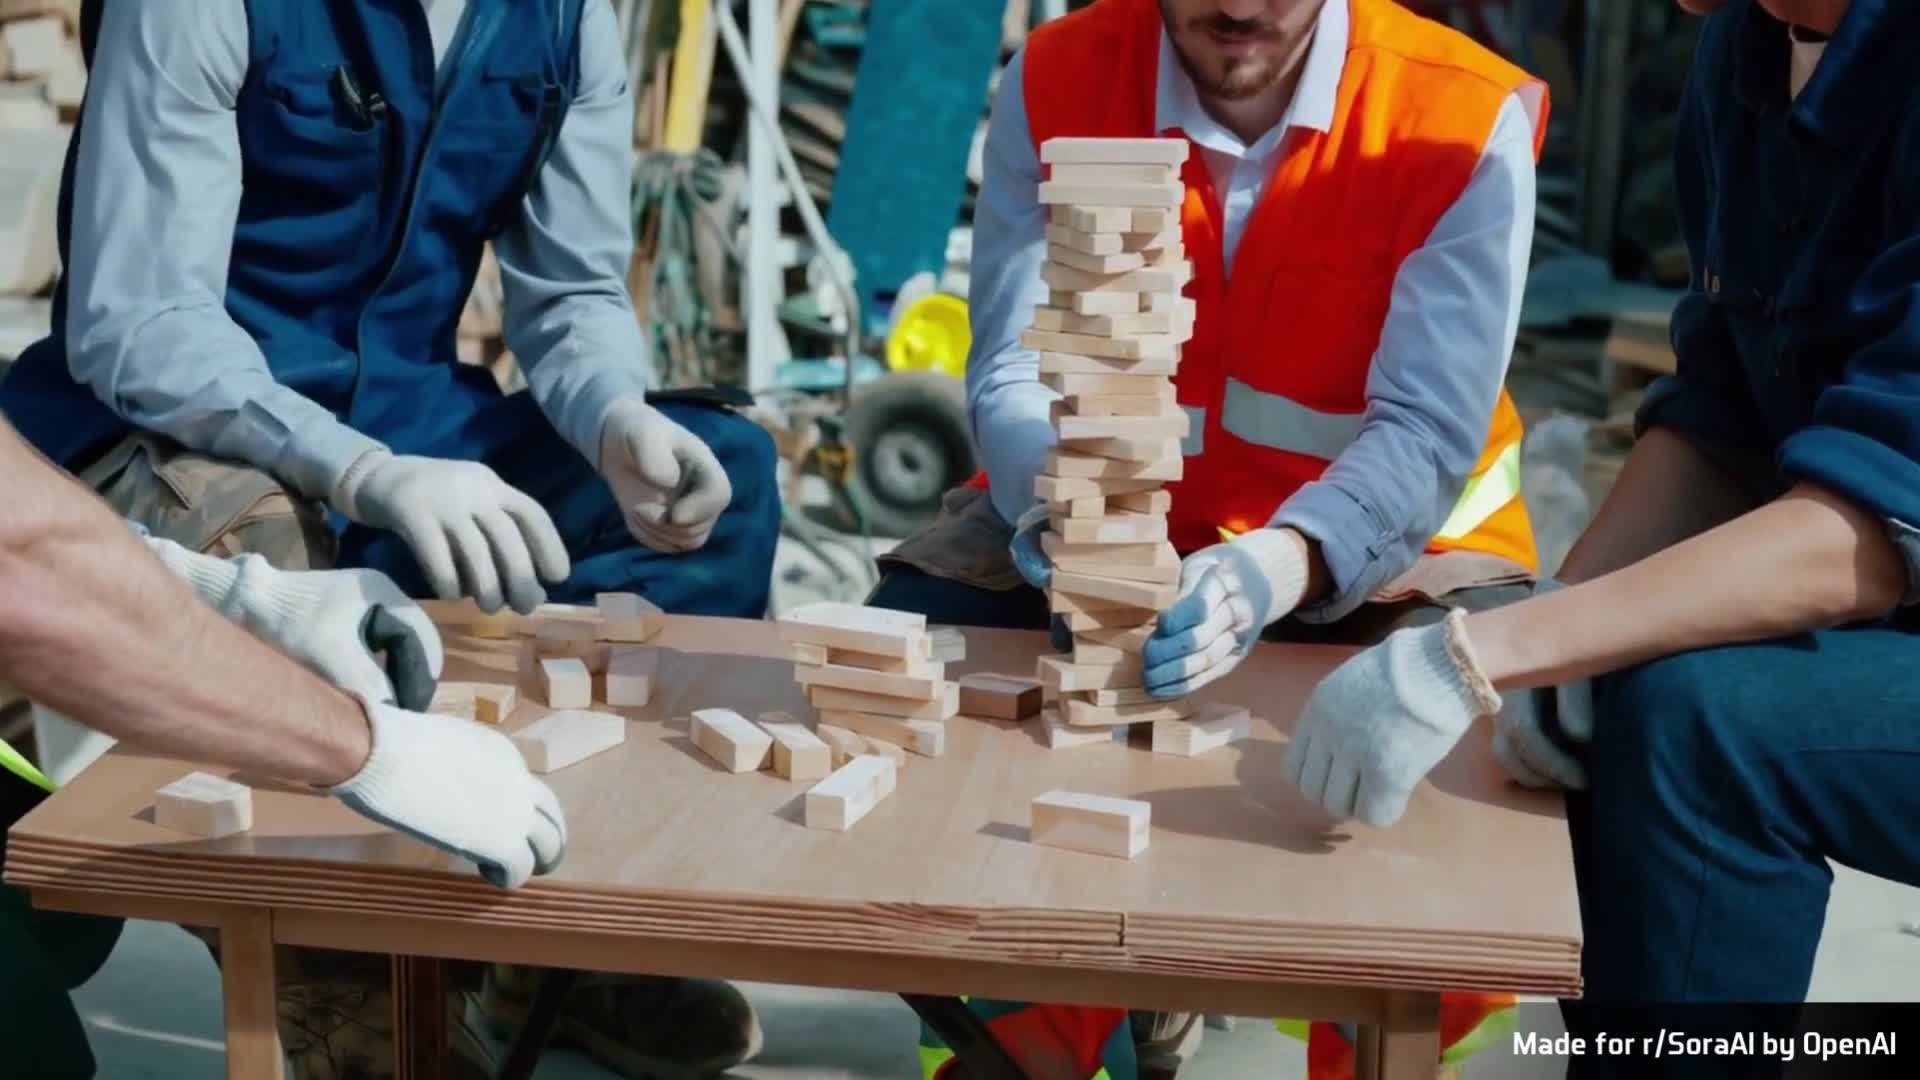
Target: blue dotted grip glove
column 1030, row 559
column 1229, row 593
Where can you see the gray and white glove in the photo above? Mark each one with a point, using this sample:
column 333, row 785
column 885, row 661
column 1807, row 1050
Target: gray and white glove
column 1540, row 736
column 472, row 533
column 333, row 621
column 669, row 485
column 462, row 788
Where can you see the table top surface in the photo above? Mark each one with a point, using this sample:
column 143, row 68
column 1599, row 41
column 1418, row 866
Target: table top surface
column 1243, row 878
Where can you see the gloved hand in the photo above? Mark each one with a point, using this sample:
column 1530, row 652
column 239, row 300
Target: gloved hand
column 666, row 481
column 1541, row 735
column 461, row 787
column 334, row 621
column 1229, row 593
column 1029, row 556
column 1378, row 723
column 464, row 525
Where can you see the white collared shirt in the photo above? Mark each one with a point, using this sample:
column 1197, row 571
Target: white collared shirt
column 1436, row 376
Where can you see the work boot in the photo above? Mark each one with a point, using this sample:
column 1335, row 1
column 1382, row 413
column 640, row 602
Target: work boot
column 1162, row 1042
column 643, row 1027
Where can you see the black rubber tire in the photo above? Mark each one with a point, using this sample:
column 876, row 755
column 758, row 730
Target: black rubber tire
column 908, row 432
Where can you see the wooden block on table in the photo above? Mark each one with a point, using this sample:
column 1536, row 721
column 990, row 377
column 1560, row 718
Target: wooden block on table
column 569, row 684
column 1113, row 173
column 1123, row 384
column 1087, row 150
column 999, row 697
column 943, row 706
column 493, row 703
column 802, row 653
column 627, row 617
column 1064, row 193
column 1164, row 570
column 561, row 622
column 1096, row 302
column 842, row 744
column 1142, row 554
column 927, row 738
column 896, row 754
column 1120, row 528
column 1159, row 501
column 1156, row 595
column 798, row 754
column 1061, row 489
column 917, row 666
column 568, row 737
column 1096, row 824
column 850, row 793
column 949, row 645
column 1086, row 243
column 1069, row 678
column 1059, row 736
column 1147, row 279
column 1205, row 728
column 856, row 627
column 883, row 683
column 1107, row 699
column 630, row 675
column 1085, row 713
column 734, row 741
column 1171, row 423
column 495, row 626
column 454, row 699
column 1117, row 263
column 204, row 805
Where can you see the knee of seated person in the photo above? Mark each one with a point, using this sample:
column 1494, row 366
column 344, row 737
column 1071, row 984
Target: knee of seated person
column 1677, row 715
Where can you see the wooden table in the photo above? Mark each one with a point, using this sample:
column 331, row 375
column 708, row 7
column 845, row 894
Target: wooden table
column 1248, row 901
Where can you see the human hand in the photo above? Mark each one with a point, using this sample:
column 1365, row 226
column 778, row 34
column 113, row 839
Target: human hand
column 1029, row 554
column 464, row 525
column 1541, row 736
column 460, row 787
column 1379, row 723
column 1229, row 593
column 669, row 485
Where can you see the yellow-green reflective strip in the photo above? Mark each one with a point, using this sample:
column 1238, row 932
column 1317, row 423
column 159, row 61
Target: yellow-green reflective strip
column 23, row 768
column 1497, row 1026
column 931, row 1058
column 1298, row 1029
column 1485, row 494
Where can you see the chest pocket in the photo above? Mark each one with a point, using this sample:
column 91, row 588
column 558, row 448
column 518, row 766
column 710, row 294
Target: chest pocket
column 499, row 134
column 305, row 148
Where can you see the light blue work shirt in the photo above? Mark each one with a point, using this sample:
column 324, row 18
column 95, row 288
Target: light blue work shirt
column 1444, row 347
column 159, row 158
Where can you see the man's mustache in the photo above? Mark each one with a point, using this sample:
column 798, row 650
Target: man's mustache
column 1227, row 26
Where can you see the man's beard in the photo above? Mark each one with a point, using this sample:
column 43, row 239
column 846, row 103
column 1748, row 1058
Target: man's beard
column 1242, row 78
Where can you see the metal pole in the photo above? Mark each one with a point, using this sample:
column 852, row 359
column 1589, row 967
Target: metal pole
column 764, row 351
column 1604, row 137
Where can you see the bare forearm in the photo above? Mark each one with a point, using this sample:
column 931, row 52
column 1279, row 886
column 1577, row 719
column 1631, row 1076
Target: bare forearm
column 1806, row 561
column 1668, row 492
column 100, row 631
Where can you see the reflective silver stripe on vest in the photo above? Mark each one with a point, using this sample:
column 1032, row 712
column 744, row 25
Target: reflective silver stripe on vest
column 1281, row 423
column 1196, row 441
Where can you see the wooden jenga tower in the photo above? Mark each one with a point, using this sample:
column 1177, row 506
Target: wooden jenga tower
column 1109, row 342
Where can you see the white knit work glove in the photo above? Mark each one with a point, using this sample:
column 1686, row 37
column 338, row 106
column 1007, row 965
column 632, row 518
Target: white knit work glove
column 462, row 788
column 1229, row 594
column 333, row 621
column 667, row 482
column 1379, row 723
column 1541, row 735
column 472, row 533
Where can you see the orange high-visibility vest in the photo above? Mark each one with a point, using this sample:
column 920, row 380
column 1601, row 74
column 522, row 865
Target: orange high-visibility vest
column 1275, row 376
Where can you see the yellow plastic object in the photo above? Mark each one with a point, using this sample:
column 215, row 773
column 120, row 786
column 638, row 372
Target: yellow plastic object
column 932, row 334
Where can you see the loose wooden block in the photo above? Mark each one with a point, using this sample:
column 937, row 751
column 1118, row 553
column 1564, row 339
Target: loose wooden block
column 798, row 754
column 568, row 737
column 594, row 654
column 1087, row 243
column 1085, row 713
column 1061, row 489
column 1119, row 384
column 802, row 653
column 731, row 739
column 999, row 697
column 204, row 805
column 1097, row 302
column 844, row 745
column 1163, row 570
column 919, row 667
column 886, row 684
column 1059, row 736
column 1116, row 263
column 1171, row 424
column 36, row 44
column 1206, row 728
column 838, row 625
column 1063, row 193
column 1143, row 554
column 949, row 645
column 495, row 626
column 850, row 793
column 1113, row 173
column 1055, row 363
column 627, row 617
column 561, row 622
column 1159, row 501
column 1068, row 677
column 453, row 699
column 1147, row 279
column 1120, row 528
column 1065, row 463
column 943, row 706
column 896, row 754
column 569, row 684
column 630, row 675
column 927, row 738
column 493, row 703
column 1088, row 150
column 1156, row 595
column 1107, row 699
column 1096, row 824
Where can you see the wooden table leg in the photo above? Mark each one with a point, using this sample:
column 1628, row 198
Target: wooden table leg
column 1406, row 1046
column 247, row 988
column 419, row 1018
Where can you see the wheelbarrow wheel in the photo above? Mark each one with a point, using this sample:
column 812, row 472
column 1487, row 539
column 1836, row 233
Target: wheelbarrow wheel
column 908, row 434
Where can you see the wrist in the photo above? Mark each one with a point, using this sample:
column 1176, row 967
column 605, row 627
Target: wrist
column 1285, row 559
column 346, row 492
column 211, row 578
column 346, row 742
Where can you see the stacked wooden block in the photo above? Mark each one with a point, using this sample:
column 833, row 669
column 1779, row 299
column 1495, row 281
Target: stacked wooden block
column 872, row 672
column 42, row 75
column 1109, row 343
column 42, row 80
